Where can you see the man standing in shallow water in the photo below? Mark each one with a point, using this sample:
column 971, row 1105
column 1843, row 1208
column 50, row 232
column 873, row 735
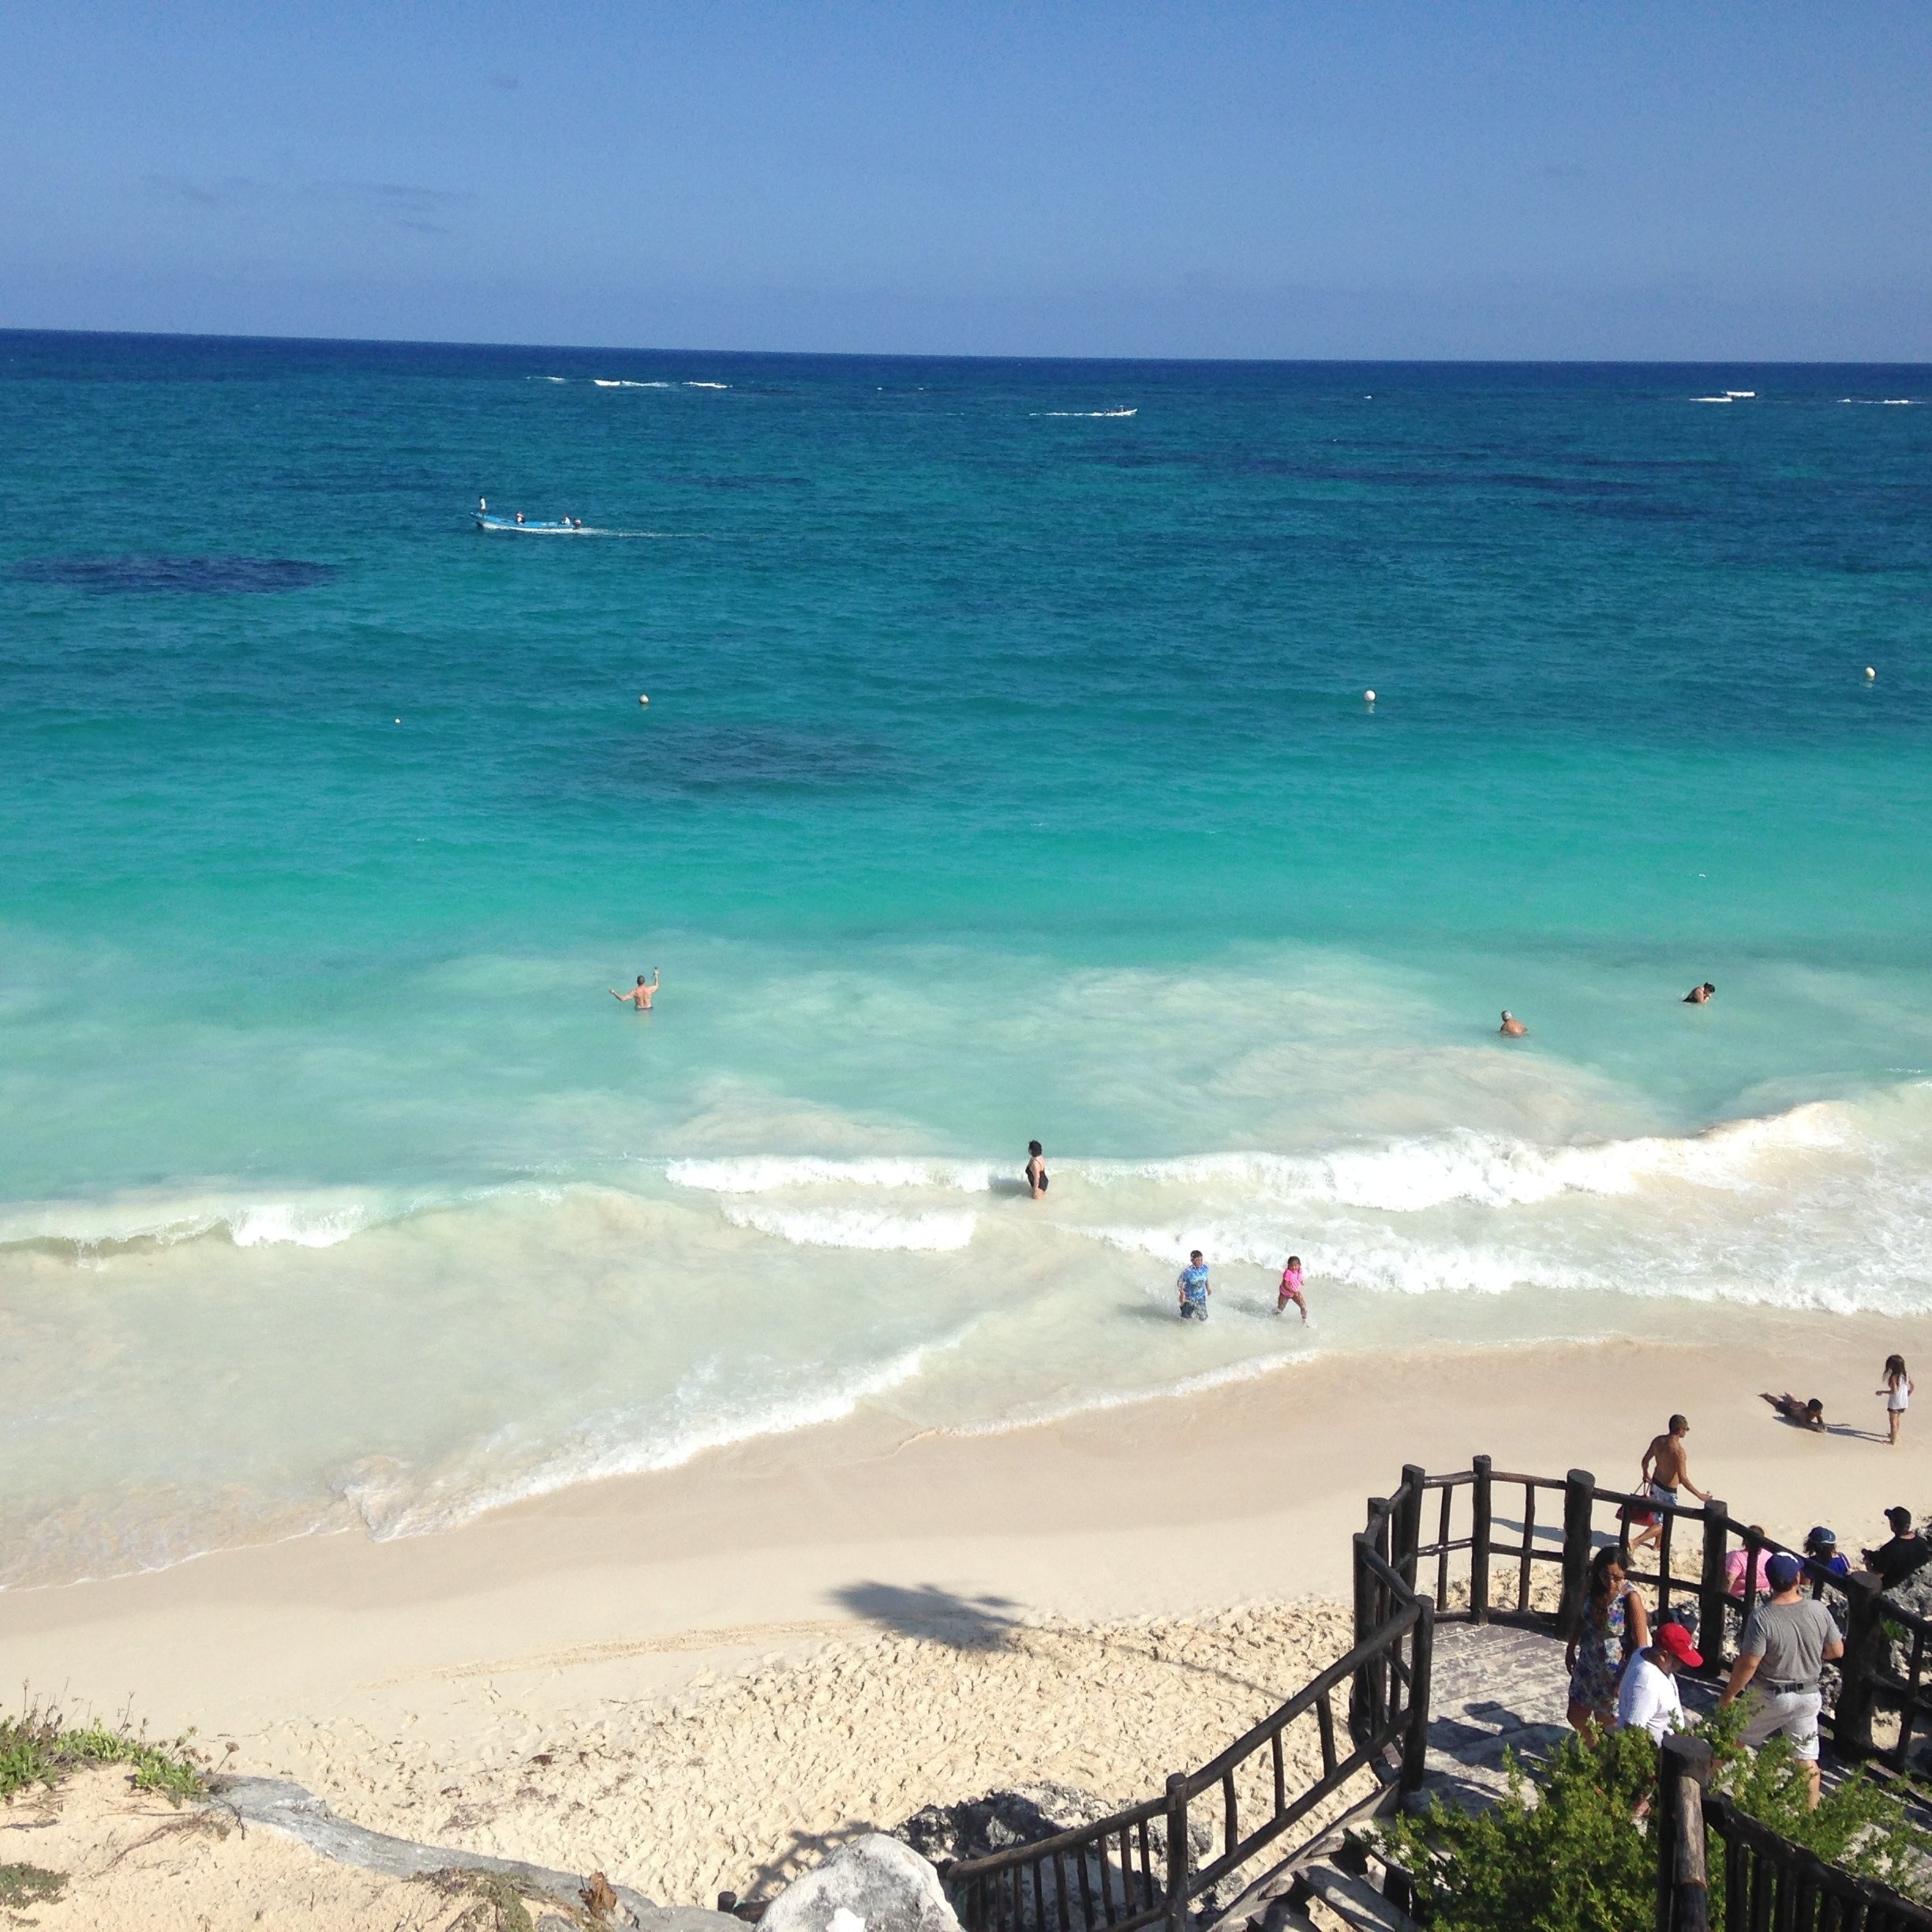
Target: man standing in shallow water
column 640, row 995
column 1191, row 1283
column 1512, row 1027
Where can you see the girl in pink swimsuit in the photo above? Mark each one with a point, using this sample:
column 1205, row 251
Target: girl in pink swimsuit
column 1291, row 1288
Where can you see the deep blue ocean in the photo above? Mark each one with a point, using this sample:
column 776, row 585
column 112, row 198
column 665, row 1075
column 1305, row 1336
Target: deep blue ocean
column 1007, row 772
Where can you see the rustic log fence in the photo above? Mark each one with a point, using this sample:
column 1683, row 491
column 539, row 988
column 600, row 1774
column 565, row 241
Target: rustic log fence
column 1766, row 1881
column 1138, row 1867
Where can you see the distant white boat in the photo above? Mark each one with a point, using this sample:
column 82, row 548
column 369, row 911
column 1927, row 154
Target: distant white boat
column 520, row 525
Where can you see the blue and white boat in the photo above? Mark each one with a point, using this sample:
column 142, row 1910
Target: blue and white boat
column 487, row 519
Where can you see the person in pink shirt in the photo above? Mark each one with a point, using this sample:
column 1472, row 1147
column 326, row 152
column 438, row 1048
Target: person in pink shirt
column 1291, row 1288
column 1739, row 1562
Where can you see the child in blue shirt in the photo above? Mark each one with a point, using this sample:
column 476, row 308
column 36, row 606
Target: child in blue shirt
column 1192, row 1284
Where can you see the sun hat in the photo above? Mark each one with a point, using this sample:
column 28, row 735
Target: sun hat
column 1675, row 1638
column 1783, row 1570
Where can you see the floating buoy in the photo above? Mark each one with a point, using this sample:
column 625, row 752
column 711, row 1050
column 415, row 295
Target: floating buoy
column 1368, row 697
column 641, row 698
column 1870, row 672
column 398, row 720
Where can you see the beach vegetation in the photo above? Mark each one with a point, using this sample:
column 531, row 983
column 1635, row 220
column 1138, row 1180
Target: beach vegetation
column 1568, row 1852
column 38, row 1747
column 22, row 1886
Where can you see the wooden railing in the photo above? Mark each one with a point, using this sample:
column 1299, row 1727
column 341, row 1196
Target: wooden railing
column 1717, row 1866
column 1138, row 1867
column 1888, row 1650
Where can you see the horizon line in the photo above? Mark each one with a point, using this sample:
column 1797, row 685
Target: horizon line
column 901, row 355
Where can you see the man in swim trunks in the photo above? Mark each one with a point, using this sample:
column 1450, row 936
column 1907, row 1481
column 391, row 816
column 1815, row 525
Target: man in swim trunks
column 1191, row 1283
column 640, row 995
column 1036, row 1170
column 1511, row 1027
column 1665, row 1471
column 1699, row 995
column 1804, row 1414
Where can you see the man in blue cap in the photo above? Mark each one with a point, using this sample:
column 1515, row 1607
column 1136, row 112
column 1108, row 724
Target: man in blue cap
column 1788, row 1640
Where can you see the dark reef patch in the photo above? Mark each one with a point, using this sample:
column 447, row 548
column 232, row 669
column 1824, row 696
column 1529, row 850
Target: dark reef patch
column 178, row 575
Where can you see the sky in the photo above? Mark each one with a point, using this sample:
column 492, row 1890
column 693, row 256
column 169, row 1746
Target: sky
column 1563, row 179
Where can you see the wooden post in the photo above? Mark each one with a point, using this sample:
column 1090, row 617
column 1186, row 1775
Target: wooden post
column 1480, row 1532
column 1361, row 1689
column 1180, row 1853
column 1579, row 1494
column 1711, row 1585
column 1415, row 1743
column 1409, row 1526
column 1677, row 1828
column 1865, row 1655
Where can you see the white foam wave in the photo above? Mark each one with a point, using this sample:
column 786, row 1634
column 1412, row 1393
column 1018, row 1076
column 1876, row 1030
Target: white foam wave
column 390, row 1509
column 1087, row 415
column 760, row 1173
column 1409, row 1176
column 1722, row 398
column 707, row 385
column 858, row 1227
column 94, row 1227
column 614, row 382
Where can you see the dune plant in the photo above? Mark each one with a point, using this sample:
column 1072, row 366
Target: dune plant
column 1568, row 1851
column 38, row 1747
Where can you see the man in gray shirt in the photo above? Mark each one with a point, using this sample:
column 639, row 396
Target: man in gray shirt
column 1788, row 1641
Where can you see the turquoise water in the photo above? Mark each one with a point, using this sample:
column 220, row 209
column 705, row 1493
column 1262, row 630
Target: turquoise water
column 1007, row 772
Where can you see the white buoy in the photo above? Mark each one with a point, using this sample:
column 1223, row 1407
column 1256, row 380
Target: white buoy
column 398, row 720
column 1870, row 672
column 1368, row 697
column 641, row 698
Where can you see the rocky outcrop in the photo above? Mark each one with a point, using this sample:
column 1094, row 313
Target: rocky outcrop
column 1002, row 1819
column 875, row 1884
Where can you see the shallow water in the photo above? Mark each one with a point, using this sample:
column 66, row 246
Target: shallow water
column 1006, row 773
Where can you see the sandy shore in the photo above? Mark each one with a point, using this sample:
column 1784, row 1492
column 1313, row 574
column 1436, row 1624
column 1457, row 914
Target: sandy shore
column 695, row 1678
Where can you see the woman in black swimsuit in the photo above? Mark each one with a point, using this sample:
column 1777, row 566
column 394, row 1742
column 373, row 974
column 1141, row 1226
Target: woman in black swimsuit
column 1036, row 1170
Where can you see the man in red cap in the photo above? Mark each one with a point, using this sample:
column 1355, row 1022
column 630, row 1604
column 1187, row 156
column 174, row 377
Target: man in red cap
column 1647, row 1698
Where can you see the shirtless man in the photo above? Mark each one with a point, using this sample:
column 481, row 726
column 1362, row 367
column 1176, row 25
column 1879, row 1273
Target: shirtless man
column 1511, row 1026
column 640, row 995
column 1804, row 1414
column 1699, row 995
column 1665, row 1470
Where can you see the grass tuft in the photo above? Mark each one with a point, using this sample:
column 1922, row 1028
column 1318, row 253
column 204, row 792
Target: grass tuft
column 38, row 1747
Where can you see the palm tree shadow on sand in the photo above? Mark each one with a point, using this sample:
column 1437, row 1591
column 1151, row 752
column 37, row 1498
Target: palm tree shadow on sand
column 962, row 1623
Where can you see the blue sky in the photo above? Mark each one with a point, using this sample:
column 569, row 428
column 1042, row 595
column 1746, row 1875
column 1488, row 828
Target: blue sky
column 1366, row 179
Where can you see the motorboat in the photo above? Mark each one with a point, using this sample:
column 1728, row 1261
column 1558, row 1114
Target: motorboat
column 519, row 525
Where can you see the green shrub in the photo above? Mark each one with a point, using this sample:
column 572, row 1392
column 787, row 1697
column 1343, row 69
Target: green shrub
column 1567, row 1853
column 39, row 1748
column 1560, row 1856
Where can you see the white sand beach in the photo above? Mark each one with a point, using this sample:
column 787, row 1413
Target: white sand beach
column 695, row 1680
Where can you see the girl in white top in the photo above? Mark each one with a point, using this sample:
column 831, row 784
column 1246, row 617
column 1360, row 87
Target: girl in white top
column 1897, row 1392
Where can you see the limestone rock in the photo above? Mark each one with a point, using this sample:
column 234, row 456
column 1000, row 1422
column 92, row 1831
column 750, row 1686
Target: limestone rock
column 879, row 1880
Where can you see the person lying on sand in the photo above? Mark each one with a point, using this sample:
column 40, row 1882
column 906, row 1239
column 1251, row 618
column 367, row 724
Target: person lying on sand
column 640, row 995
column 1699, row 995
column 1511, row 1025
column 1804, row 1414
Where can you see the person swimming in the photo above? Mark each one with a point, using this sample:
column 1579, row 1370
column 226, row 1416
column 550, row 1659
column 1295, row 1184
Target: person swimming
column 640, row 995
column 1511, row 1027
column 1699, row 995
column 1036, row 1175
